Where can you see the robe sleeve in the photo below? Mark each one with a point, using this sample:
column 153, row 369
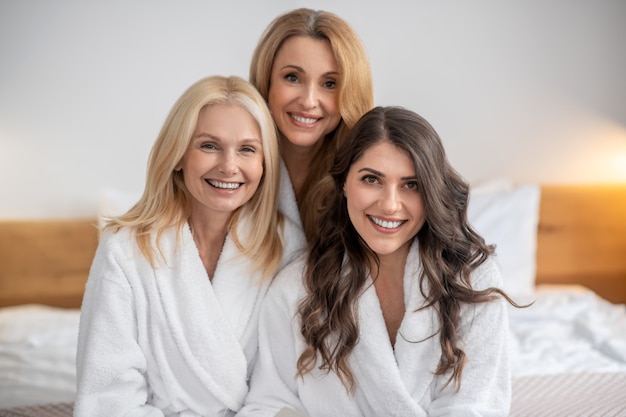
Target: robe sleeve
column 110, row 363
column 486, row 378
column 273, row 385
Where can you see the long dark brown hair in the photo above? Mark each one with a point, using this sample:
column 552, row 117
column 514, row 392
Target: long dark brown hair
column 337, row 266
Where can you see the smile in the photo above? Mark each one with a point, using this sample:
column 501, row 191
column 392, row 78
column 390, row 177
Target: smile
column 224, row 185
column 386, row 224
column 305, row 120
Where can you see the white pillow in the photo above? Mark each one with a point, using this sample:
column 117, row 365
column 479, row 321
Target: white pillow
column 508, row 217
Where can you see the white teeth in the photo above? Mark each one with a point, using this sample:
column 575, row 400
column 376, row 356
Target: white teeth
column 226, row 185
column 384, row 223
column 303, row 119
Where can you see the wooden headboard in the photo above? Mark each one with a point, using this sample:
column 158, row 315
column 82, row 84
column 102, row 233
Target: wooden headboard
column 45, row 261
column 581, row 240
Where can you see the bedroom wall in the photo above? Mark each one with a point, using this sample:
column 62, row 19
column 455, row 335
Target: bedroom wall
column 533, row 91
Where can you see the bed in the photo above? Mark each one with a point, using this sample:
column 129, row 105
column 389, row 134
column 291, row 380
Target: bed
column 561, row 247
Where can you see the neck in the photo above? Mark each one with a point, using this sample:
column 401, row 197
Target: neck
column 388, row 271
column 389, row 286
column 391, row 266
column 209, row 236
column 298, row 161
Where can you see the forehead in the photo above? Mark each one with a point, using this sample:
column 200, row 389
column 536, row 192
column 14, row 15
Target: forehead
column 300, row 50
column 387, row 158
column 228, row 118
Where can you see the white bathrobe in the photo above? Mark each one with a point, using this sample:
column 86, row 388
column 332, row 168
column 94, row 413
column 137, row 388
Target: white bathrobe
column 168, row 341
column 287, row 203
column 389, row 381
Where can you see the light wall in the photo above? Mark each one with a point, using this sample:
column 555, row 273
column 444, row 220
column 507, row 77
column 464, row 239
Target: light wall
column 530, row 90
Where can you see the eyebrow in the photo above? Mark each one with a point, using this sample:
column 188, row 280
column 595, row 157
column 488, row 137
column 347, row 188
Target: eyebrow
column 204, row 135
column 300, row 69
column 380, row 174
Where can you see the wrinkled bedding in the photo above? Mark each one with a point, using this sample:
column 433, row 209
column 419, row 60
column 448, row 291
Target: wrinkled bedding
column 568, row 329
column 568, row 355
column 37, row 355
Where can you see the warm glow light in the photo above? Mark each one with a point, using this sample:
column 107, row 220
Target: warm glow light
column 619, row 165
column 613, row 137
column 598, row 147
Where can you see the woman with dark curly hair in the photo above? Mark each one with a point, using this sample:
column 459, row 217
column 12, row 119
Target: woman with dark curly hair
column 399, row 312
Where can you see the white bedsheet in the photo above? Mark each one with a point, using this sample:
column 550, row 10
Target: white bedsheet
column 567, row 330
column 37, row 355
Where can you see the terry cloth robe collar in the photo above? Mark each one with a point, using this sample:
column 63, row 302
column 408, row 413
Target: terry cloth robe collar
column 214, row 359
column 397, row 390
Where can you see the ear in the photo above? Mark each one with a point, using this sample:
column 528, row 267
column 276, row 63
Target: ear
column 344, row 189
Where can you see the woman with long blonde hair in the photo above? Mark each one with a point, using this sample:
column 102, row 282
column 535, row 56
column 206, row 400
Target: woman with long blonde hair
column 170, row 312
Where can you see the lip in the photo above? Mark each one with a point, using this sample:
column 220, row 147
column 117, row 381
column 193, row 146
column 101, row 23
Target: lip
column 304, row 120
column 223, row 185
column 387, row 225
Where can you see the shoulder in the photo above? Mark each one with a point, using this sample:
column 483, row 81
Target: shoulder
column 487, row 275
column 122, row 243
column 117, row 240
column 287, row 287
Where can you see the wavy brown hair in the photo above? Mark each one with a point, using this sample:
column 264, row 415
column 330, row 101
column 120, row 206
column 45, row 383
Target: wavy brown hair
column 354, row 87
column 450, row 250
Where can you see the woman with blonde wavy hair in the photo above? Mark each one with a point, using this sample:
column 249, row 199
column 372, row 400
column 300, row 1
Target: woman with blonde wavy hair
column 170, row 312
column 312, row 69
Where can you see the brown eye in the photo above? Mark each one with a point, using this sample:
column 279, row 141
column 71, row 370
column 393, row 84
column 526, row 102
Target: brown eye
column 369, row 179
column 412, row 186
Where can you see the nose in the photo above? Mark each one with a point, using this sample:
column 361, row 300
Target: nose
column 390, row 201
column 309, row 96
column 228, row 163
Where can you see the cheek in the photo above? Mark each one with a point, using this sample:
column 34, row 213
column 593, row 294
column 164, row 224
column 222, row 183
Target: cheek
column 418, row 212
column 276, row 96
column 332, row 107
column 255, row 169
column 189, row 163
column 356, row 203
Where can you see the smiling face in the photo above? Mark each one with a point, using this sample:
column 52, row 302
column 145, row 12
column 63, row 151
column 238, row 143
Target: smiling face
column 223, row 165
column 384, row 204
column 303, row 90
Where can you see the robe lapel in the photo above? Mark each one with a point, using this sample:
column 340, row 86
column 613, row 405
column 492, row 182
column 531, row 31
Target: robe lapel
column 202, row 336
column 392, row 383
column 238, row 290
column 417, row 345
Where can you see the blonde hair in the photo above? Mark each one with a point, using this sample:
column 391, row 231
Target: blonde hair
column 355, row 90
column 166, row 202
